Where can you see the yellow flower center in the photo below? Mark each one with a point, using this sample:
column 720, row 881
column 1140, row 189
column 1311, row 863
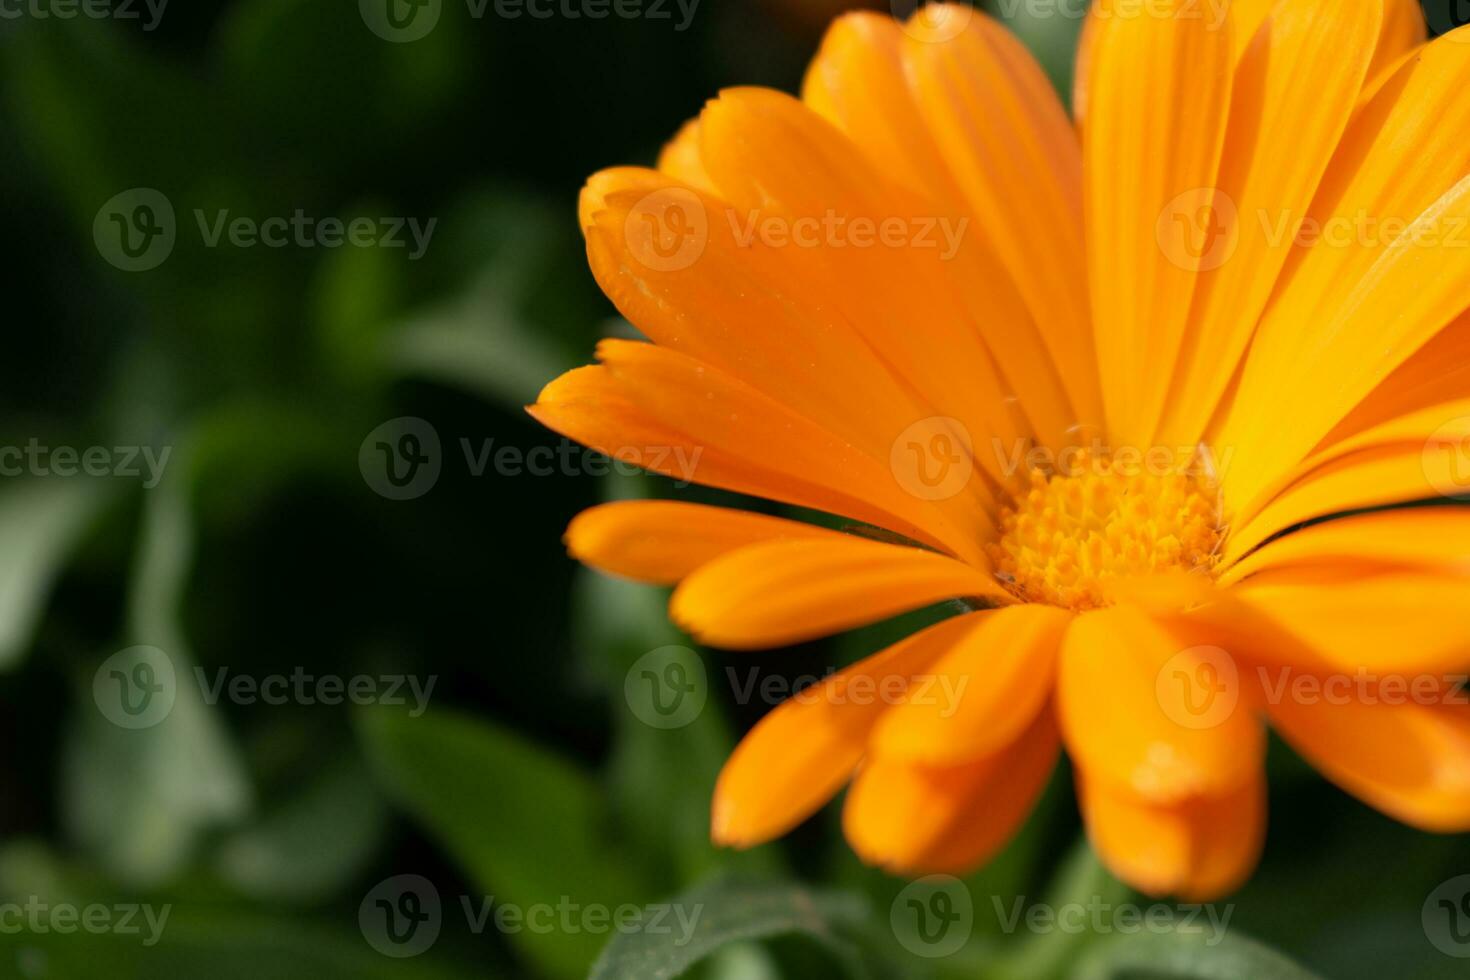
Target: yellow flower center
column 1070, row 536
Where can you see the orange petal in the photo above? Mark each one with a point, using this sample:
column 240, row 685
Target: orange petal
column 1435, row 538
column 776, row 160
column 980, row 697
column 681, row 160
column 594, row 408
column 1374, row 476
column 800, row 754
column 1353, row 618
column 914, row 819
column 970, row 120
column 1158, row 99
column 1404, row 30
column 1436, row 374
column 661, row 541
column 1127, row 722
column 1376, row 286
column 1280, row 138
column 724, row 414
column 1198, row 850
column 739, row 306
column 782, row 592
column 1411, row 761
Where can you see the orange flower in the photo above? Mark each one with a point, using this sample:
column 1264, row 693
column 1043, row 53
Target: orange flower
column 1104, row 378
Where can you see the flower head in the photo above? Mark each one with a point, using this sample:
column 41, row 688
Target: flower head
column 1139, row 384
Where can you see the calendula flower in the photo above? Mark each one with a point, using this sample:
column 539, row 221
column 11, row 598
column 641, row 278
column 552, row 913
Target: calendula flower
column 1139, row 385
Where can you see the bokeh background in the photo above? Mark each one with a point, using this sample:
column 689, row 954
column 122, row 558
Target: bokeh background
column 276, row 835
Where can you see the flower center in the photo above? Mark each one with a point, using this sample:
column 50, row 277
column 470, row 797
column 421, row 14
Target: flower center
column 1071, row 535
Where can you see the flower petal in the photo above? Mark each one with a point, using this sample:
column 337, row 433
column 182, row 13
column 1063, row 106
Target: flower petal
column 662, row 541
column 1280, row 138
column 592, row 407
column 913, row 819
column 982, row 694
column 783, row 592
column 801, row 754
column 1199, row 850
column 971, row 120
column 776, row 160
column 1376, row 286
column 1158, row 100
column 1411, row 761
column 1419, row 538
column 1126, row 723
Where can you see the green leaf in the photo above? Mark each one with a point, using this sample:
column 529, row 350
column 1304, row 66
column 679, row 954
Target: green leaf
column 736, row 911
column 140, row 798
column 1081, row 880
column 526, row 825
column 312, row 846
column 1186, row 955
column 497, row 336
column 40, row 523
column 222, row 947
